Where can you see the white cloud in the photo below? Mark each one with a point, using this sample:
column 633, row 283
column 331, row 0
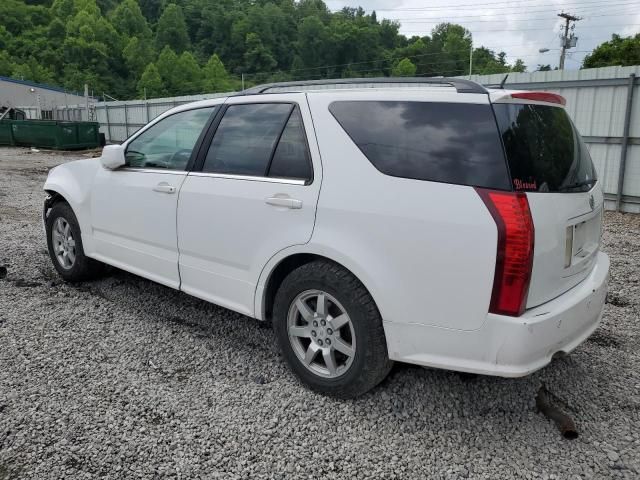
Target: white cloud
column 519, row 28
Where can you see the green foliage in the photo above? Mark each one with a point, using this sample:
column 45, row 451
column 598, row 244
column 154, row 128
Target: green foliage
column 167, row 68
column 179, row 47
column 5, row 64
column 150, row 84
column 404, row 68
column 137, row 55
column 617, row 51
column 216, row 78
column 257, row 57
column 188, row 74
column 172, row 29
column 128, row 20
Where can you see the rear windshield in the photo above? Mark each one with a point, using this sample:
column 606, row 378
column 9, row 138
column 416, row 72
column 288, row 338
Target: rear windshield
column 544, row 150
column 442, row 142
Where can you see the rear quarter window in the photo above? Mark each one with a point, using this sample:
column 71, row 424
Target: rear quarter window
column 544, row 150
column 455, row 143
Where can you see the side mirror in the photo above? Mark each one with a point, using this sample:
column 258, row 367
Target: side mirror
column 112, row 157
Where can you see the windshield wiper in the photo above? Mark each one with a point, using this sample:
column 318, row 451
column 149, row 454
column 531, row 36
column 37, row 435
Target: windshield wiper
column 578, row 184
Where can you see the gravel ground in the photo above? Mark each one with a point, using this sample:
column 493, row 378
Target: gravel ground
column 123, row 378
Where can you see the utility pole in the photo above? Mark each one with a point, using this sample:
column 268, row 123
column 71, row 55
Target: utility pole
column 567, row 42
column 470, row 60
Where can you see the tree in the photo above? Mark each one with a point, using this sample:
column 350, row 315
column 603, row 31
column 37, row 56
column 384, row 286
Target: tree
column 312, row 44
column 617, row 51
column 543, row 68
column 404, row 68
column 62, row 9
column 188, row 75
column 519, row 66
column 150, row 84
column 172, row 30
column 137, row 55
column 151, row 9
column 216, row 78
column 257, row 58
column 167, row 64
column 128, row 20
column 110, row 44
column 6, row 66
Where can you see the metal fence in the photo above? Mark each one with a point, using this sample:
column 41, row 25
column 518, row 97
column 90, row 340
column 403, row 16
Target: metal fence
column 603, row 102
column 119, row 120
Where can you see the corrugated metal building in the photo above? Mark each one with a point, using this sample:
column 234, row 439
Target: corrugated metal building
column 38, row 100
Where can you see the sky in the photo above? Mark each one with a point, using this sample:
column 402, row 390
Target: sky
column 520, row 28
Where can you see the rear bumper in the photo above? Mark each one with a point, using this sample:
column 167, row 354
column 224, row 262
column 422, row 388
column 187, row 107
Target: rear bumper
column 507, row 346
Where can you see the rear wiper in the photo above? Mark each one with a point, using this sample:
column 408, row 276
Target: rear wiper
column 578, row 184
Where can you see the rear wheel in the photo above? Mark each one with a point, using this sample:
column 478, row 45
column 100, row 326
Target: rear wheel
column 65, row 246
column 330, row 330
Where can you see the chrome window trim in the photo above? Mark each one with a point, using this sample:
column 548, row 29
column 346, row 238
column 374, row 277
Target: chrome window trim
column 153, row 170
column 251, row 178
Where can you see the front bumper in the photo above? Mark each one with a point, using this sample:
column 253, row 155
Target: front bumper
column 508, row 346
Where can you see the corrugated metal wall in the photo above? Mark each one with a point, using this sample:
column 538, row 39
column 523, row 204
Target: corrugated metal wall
column 120, row 120
column 596, row 100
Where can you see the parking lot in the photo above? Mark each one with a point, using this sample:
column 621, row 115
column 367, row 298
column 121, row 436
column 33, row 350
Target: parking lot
column 124, row 378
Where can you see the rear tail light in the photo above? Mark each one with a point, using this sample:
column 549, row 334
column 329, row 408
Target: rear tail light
column 514, row 259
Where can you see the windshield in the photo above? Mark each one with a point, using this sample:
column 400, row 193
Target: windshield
column 544, row 150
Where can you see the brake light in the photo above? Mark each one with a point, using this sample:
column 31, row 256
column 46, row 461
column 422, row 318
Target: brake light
column 540, row 97
column 514, row 259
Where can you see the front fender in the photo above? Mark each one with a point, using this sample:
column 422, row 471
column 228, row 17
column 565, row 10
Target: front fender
column 73, row 181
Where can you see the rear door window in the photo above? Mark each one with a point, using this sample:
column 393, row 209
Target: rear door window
column 544, row 150
column 454, row 143
column 246, row 138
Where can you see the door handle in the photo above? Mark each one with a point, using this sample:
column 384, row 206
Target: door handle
column 284, row 202
column 164, row 187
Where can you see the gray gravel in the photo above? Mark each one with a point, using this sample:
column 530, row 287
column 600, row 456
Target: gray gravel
column 123, row 378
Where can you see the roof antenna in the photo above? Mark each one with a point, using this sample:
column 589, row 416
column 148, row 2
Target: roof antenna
column 504, row 80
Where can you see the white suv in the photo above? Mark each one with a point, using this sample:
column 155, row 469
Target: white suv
column 429, row 221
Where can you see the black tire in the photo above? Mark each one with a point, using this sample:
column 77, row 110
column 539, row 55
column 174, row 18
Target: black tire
column 370, row 363
column 83, row 267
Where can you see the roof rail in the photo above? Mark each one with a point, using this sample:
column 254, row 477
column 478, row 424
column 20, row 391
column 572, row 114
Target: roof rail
column 461, row 85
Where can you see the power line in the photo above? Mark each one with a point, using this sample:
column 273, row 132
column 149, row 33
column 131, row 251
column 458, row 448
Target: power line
column 391, row 59
column 473, row 6
column 530, row 29
column 519, row 12
column 400, row 57
column 538, row 19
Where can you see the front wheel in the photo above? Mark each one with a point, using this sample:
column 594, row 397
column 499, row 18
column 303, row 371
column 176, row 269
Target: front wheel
column 65, row 245
column 330, row 330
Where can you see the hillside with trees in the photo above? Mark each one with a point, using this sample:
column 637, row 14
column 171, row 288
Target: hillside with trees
column 129, row 48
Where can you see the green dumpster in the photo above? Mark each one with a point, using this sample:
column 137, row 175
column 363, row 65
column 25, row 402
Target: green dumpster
column 5, row 133
column 54, row 134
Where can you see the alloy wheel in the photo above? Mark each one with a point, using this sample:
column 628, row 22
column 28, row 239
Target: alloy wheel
column 64, row 245
column 321, row 333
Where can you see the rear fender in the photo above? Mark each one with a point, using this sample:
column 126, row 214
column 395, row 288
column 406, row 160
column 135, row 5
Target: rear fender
column 323, row 251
